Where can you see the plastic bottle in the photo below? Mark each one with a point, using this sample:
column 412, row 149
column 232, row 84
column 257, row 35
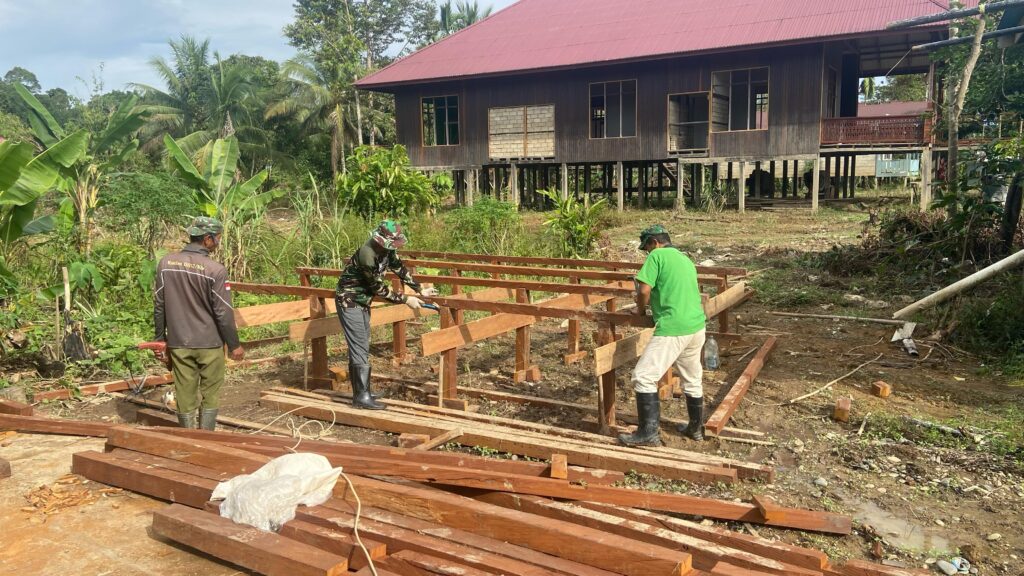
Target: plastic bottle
column 711, row 353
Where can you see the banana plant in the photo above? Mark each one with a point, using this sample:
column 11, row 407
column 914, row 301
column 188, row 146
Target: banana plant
column 24, row 178
column 218, row 193
column 82, row 180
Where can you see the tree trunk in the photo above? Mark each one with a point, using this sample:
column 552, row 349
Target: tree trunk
column 359, row 117
column 956, row 107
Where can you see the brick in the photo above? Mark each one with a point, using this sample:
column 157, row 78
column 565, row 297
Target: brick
column 842, row 410
column 881, row 389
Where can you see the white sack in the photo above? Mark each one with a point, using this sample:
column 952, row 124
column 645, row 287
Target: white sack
column 267, row 498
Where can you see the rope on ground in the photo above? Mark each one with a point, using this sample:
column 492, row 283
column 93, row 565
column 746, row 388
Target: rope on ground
column 297, row 430
column 829, row 385
column 355, row 525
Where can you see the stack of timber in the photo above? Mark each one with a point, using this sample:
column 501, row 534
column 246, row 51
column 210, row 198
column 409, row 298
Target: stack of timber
column 518, row 437
column 410, row 528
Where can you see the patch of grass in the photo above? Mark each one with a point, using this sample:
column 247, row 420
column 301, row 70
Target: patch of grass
column 651, row 483
column 783, row 288
column 997, row 431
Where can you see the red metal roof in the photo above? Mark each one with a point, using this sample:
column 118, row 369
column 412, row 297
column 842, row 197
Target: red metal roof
column 536, row 35
column 892, row 109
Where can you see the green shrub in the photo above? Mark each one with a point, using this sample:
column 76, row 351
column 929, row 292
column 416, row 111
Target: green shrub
column 487, row 227
column 380, row 182
column 149, row 208
column 575, row 225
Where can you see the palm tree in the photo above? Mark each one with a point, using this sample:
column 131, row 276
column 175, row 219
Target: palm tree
column 452, row 18
column 867, row 88
column 203, row 102
column 319, row 103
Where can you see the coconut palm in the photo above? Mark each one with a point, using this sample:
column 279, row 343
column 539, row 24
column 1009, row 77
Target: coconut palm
column 319, row 104
column 455, row 17
column 867, row 88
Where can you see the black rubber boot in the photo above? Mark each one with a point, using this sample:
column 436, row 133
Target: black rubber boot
column 360, row 377
column 648, row 410
column 369, row 386
column 187, row 420
column 208, row 418
column 694, row 429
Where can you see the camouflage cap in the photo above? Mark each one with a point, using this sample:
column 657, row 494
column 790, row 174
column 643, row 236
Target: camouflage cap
column 204, row 225
column 651, row 231
column 389, row 235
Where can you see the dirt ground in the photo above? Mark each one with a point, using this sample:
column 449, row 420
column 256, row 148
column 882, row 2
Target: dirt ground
column 922, row 496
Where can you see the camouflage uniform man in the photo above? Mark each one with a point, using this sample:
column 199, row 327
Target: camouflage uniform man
column 361, row 282
column 193, row 314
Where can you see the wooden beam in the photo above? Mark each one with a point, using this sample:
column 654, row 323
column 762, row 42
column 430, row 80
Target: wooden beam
column 559, row 467
column 160, row 483
column 720, row 417
column 576, row 543
column 41, row 425
column 570, row 262
column 198, row 452
column 334, row 542
column 145, row 380
column 252, row 548
column 465, row 334
column 534, row 286
column 283, row 290
column 547, row 312
column 705, row 554
column 273, row 313
column 400, row 532
column 15, row 408
column 439, row 440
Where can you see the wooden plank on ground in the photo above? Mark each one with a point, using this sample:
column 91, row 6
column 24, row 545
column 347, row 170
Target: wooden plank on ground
column 197, row 452
column 720, row 417
column 439, row 440
column 433, row 565
column 5, row 469
column 272, row 446
column 580, row 544
column 160, row 483
column 865, row 568
column 334, row 541
column 400, row 532
column 263, row 552
column 168, row 464
column 41, row 425
column 787, row 553
column 145, row 381
column 150, row 417
column 16, row 408
column 705, row 554
column 522, row 442
column 559, row 466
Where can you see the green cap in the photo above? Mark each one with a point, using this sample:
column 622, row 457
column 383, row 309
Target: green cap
column 389, row 235
column 204, row 225
column 651, row 231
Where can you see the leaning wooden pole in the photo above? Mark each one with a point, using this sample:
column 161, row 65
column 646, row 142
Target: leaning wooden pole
column 961, row 286
column 732, row 400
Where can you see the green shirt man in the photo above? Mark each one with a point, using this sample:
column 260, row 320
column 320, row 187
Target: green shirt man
column 668, row 281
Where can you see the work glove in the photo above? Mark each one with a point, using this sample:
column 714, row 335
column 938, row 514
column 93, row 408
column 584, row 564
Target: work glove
column 413, row 302
column 429, row 292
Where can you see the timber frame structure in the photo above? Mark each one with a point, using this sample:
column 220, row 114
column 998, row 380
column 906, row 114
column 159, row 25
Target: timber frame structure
column 509, row 293
column 513, row 107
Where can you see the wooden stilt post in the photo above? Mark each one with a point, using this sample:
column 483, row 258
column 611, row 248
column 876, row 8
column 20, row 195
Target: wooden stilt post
column 620, row 187
column 828, row 174
column 785, row 178
column 565, row 181
column 758, row 173
column 838, row 177
column 927, row 173
column 680, row 186
column 815, row 183
column 319, row 372
column 642, row 185
column 661, row 182
column 399, row 330
column 572, row 350
column 513, row 184
column 587, row 184
column 771, row 172
column 741, row 189
column 853, row 176
column 796, row 178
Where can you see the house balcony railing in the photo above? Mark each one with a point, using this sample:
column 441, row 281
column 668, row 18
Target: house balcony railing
column 867, row 130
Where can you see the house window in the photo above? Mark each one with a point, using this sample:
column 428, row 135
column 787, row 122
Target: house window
column 688, row 122
column 440, row 121
column 740, row 100
column 613, row 109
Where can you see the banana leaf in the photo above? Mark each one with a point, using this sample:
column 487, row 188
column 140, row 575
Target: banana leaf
column 128, row 118
column 183, row 166
column 44, row 125
column 41, row 172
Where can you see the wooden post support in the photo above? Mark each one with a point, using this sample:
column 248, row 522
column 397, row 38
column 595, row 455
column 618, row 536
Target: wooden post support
column 620, row 187
column 572, row 351
column 853, row 176
column 926, row 177
column 460, row 316
column 319, row 374
column 666, row 388
column 524, row 371
column 513, row 184
column 399, row 332
column 559, row 466
column 449, row 369
column 841, row 412
column 815, row 184
column 741, row 189
column 606, row 381
column 881, row 389
column 770, row 511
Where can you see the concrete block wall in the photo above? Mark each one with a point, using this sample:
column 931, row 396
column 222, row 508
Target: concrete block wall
column 507, row 139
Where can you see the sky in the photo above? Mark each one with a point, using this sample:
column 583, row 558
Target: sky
column 64, row 40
